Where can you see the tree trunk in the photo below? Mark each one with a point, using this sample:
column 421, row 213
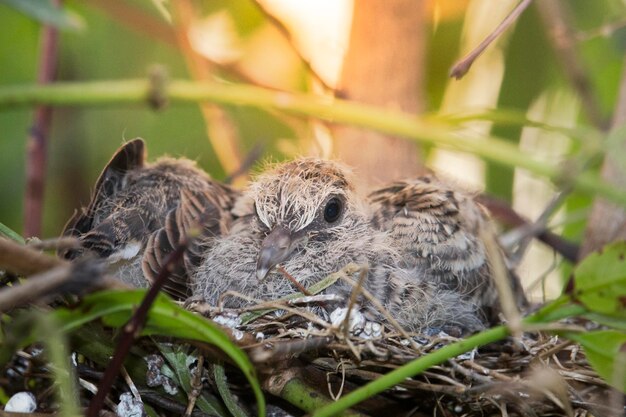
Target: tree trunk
column 384, row 66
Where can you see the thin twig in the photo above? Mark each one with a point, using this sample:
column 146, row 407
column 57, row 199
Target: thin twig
column 57, row 243
column 354, row 294
column 557, row 18
column 73, row 278
column 500, row 276
column 23, row 260
column 524, row 235
column 132, row 329
column 294, row 281
column 196, row 385
column 36, row 147
column 503, row 212
column 251, row 158
column 463, row 66
column 131, row 384
column 275, row 352
column 381, row 308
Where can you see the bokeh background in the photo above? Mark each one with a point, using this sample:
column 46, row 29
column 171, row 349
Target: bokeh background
column 300, row 46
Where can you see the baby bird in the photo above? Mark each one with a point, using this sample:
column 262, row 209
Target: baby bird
column 437, row 231
column 139, row 212
column 419, row 240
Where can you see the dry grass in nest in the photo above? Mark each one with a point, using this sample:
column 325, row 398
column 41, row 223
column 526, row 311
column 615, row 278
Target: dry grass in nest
column 536, row 374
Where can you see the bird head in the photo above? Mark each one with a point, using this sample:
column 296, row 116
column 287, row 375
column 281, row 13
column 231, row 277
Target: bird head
column 298, row 201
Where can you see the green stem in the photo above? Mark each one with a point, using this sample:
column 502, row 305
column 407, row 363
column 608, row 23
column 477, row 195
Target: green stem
column 306, row 398
column 411, row 369
column 556, row 311
column 333, row 110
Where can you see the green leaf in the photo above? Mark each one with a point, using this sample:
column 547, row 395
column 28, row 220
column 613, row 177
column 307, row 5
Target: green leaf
column 219, row 374
column 9, row 233
column 606, row 352
column 599, row 281
column 165, row 318
column 179, row 359
column 44, row 11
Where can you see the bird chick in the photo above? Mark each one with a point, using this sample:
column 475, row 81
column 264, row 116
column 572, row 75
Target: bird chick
column 139, row 212
column 438, row 231
column 307, row 217
column 302, row 215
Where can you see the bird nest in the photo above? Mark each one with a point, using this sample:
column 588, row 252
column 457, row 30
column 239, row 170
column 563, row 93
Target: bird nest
column 301, row 352
column 533, row 374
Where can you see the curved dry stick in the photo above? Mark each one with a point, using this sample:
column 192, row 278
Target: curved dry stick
column 24, row 261
column 47, row 275
column 463, row 66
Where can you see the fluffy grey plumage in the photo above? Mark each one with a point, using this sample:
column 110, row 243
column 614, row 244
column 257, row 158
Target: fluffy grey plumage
column 419, row 239
column 436, row 230
column 317, row 248
column 140, row 211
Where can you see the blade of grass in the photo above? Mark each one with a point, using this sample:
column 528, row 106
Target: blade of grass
column 9, row 233
column 222, row 387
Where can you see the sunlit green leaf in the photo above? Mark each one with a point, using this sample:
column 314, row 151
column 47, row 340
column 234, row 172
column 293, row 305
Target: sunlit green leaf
column 44, row 11
column 600, row 281
column 606, row 351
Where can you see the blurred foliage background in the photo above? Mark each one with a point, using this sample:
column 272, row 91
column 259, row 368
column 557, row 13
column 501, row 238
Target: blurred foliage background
column 298, row 46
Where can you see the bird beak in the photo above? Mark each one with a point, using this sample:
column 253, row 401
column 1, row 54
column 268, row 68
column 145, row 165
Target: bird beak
column 276, row 247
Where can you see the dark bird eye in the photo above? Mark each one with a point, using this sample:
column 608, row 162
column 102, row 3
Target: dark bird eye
column 332, row 210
